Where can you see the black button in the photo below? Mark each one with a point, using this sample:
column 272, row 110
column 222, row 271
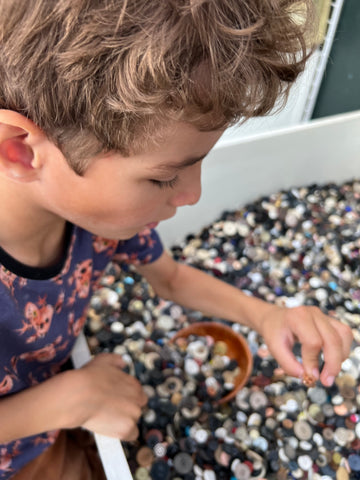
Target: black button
column 160, row 470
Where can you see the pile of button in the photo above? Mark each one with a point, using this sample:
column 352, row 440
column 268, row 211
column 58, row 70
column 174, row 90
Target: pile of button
column 299, row 247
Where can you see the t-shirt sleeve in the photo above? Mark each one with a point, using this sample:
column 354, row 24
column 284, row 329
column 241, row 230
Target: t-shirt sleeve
column 145, row 247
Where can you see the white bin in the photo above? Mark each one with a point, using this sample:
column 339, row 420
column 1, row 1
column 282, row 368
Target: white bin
column 235, row 173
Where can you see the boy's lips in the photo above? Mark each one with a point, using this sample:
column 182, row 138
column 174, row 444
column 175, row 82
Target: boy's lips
column 155, row 224
column 152, row 224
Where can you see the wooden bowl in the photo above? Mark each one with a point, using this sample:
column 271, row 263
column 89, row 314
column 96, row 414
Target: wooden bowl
column 237, row 349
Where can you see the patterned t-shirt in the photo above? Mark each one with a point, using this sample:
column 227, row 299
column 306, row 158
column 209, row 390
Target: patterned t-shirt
column 43, row 311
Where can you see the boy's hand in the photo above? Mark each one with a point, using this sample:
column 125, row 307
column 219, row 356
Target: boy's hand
column 112, row 400
column 316, row 332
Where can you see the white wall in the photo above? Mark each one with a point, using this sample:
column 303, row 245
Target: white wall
column 240, row 170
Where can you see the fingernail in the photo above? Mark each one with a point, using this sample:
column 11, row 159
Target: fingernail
column 330, row 380
column 316, row 373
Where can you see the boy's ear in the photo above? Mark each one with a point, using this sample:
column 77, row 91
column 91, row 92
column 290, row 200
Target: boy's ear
column 20, row 140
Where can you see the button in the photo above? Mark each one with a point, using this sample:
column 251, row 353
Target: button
column 160, row 450
column 347, row 392
column 354, row 462
column 341, row 436
column 144, row 457
column 342, row 474
column 160, row 470
column 209, row 475
column 198, row 350
column 303, row 430
column 201, row 436
column 117, row 327
column 290, row 452
column 328, row 410
column 242, row 471
column 153, row 437
column 173, row 385
column 165, row 322
column 321, row 460
column 220, row 348
column 149, row 416
column 328, row 433
column 317, row 395
column 141, row 474
column 315, row 413
column 318, row 439
column 191, row 367
column 306, row 446
column 258, row 400
column 309, row 380
column 183, row 463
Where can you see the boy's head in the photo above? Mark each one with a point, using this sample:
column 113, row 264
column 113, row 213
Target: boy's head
column 109, row 75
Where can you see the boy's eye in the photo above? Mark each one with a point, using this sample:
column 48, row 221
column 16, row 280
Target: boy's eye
column 165, row 183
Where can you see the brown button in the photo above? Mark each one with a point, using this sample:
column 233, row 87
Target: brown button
column 176, row 398
column 347, row 392
column 327, row 433
column 287, row 423
column 261, row 380
column 278, row 401
column 350, row 425
column 269, row 412
column 145, row 457
column 282, row 473
column 356, row 444
column 345, row 380
column 309, row 380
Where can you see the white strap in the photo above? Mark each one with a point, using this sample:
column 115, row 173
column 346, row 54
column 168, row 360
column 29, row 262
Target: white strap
column 110, row 449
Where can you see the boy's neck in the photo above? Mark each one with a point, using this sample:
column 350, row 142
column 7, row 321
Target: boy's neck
column 28, row 233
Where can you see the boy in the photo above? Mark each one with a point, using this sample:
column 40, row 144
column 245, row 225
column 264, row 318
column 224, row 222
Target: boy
column 107, row 109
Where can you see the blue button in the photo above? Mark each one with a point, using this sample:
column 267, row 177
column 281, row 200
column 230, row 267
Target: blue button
column 129, row 281
column 354, row 462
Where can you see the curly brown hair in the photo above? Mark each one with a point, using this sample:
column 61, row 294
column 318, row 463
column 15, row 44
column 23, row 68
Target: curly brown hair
column 101, row 75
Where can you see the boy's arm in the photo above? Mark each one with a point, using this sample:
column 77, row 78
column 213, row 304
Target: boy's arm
column 98, row 396
column 280, row 327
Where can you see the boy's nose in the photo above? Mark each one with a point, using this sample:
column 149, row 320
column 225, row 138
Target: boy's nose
column 189, row 191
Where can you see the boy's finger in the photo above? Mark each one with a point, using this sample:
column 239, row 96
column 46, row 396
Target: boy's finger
column 333, row 349
column 133, row 435
column 143, row 400
column 346, row 335
column 311, row 344
column 117, row 360
column 310, row 357
column 287, row 360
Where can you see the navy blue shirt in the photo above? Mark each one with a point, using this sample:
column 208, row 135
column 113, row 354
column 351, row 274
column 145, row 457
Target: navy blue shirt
column 42, row 311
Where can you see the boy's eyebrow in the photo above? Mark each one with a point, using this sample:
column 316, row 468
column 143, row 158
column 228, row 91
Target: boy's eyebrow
column 179, row 166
